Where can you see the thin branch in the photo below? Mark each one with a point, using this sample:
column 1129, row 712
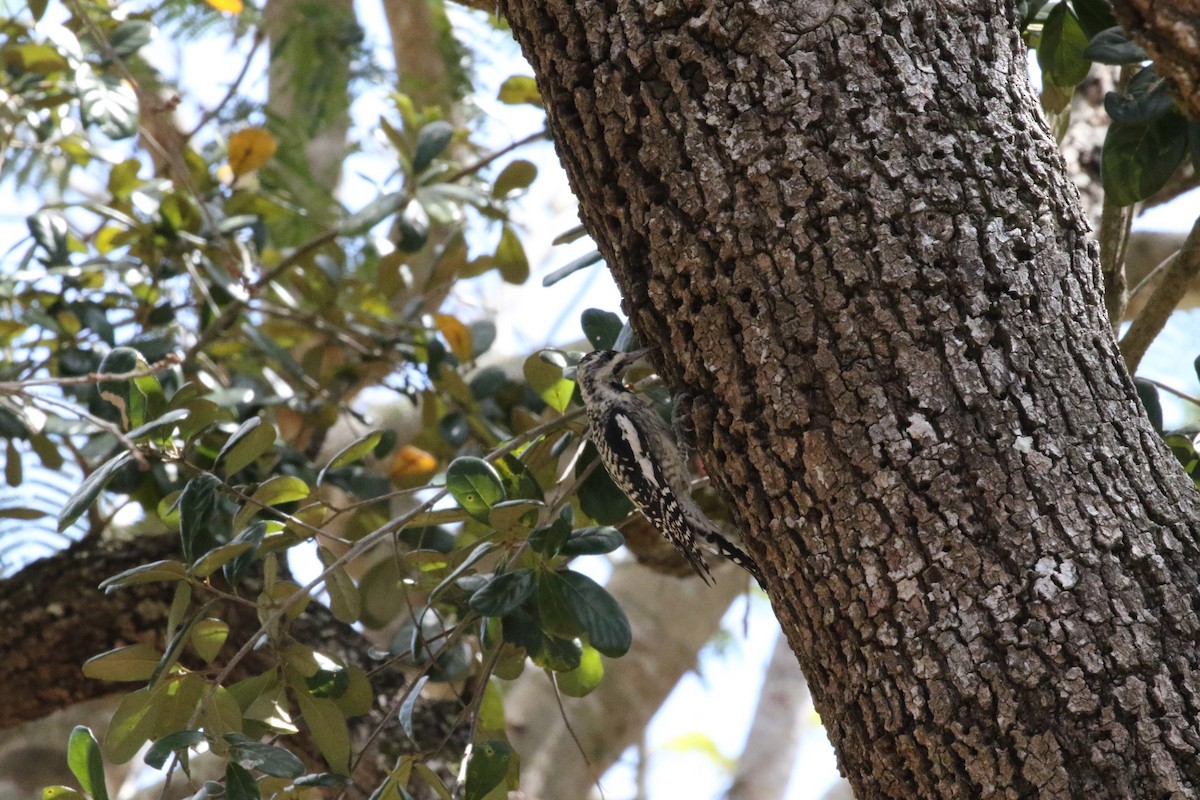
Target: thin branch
column 19, row 387
column 103, row 424
column 207, row 116
column 1177, row 277
column 1172, row 390
column 1115, row 225
column 471, row 169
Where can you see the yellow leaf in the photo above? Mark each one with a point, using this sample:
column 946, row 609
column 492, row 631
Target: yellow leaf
column 412, row 464
column 228, row 6
column 249, row 148
column 457, row 335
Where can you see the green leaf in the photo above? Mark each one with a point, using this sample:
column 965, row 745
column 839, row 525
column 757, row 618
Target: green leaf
column 344, row 599
column 160, row 424
column 131, row 724
column 510, row 257
column 581, row 263
column 154, row 572
column 602, row 617
column 90, row 489
column 221, row 715
column 544, row 373
column 122, row 393
column 515, row 514
column 276, row 490
column 130, row 36
column 352, row 452
column 516, row 176
column 1095, row 16
column 431, row 141
column 208, row 635
column 196, row 506
column 1148, row 394
column 83, row 757
column 1060, row 54
column 247, row 443
column 488, row 765
column 504, row 593
column 1137, row 159
column 475, row 484
column 601, row 328
column 161, row 750
column 580, row 681
column 549, row 539
column 107, row 102
column 1112, row 46
column 49, row 230
column 1147, row 97
column 214, row 559
column 331, row 683
column 410, row 702
column 555, row 611
column 328, row 728
column 135, row 662
column 518, row 89
column 263, row 757
column 240, row 784
column 372, row 214
column 593, row 541
column 412, row 227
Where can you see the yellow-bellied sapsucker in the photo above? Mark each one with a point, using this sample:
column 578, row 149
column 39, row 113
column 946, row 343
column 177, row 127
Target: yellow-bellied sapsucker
column 640, row 454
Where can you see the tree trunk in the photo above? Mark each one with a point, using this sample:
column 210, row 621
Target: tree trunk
column 850, row 235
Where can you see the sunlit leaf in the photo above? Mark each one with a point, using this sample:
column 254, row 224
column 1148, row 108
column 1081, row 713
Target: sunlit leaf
column 249, row 149
column 519, row 89
column 83, row 757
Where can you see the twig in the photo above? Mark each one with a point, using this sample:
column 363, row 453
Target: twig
column 1115, row 224
column 470, row 169
column 1177, row 277
column 103, row 424
column 207, row 116
column 19, row 387
column 1171, row 390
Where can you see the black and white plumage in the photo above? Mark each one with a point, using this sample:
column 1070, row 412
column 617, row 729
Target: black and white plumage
column 640, row 454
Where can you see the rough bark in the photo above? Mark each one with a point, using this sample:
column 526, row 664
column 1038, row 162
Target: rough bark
column 850, row 235
column 1170, row 32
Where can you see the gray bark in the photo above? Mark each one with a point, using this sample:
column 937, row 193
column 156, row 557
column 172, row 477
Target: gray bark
column 850, row 235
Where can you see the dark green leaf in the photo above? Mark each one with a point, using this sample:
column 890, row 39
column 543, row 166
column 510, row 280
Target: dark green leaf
column 1060, row 54
column 593, row 541
column 555, row 611
column 161, row 750
column 371, row 214
column 196, row 506
column 1138, row 159
column 583, row 262
column 263, row 757
column 558, row 654
column 549, row 539
column 146, row 573
column 602, row 617
column 1112, row 46
column 86, row 763
column 483, row 336
column 410, row 702
column 90, row 489
column 328, row 683
column 504, row 593
column 454, row 428
column 352, row 452
column 1094, row 16
column 431, row 141
column 1146, row 97
column 240, row 784
column 1193, row 137
column 322, row 779
column 49, row 230
column 412, row 227
column 475, row 484
column 130, row 36
column 487, row 382
column 488, row 766
column 1148, row 394
column 253, row 535
column 159, row 425
column 601, row 328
